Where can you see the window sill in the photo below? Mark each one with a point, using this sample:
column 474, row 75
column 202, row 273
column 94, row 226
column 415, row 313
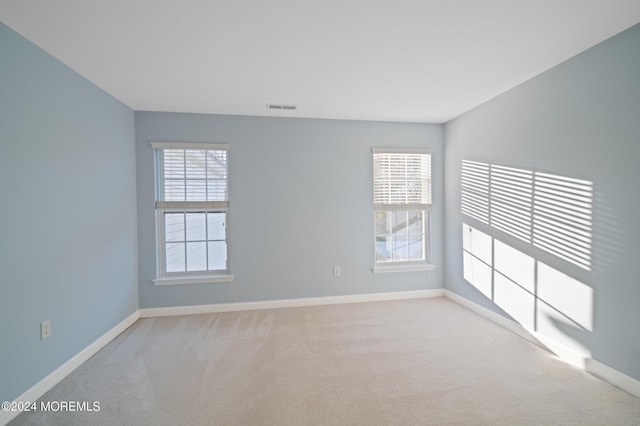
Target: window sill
column 195, row 279
column 383, row 269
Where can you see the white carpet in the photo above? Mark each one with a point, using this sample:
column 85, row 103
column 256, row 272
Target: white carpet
column 409, row 362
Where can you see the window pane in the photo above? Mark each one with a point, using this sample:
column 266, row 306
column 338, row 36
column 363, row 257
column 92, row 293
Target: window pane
column 217, row 190
column 196, row 190
column 196, row 227
column 217, row 164
column 383, row 249
column 174, row 226
column 216, row 227
column 415, row 222
column 174, row 190
column 174, row 257
column 383, row 223
column 217, row 255
column 399, row 223
column 400, row 236
column 197, row 256
column 416, row 251
column 400, row 248
column 194, row 165
column 173, row 160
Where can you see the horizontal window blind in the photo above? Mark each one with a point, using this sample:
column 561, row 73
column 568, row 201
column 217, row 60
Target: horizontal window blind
column 401, row 180
column 191, row 177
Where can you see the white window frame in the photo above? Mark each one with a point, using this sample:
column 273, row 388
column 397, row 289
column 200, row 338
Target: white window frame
column 424, row 205
column 162, row 207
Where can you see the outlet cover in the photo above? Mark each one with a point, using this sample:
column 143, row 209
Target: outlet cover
column 45, row 329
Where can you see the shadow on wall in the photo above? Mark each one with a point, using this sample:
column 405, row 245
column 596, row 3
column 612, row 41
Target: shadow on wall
column 545, row 213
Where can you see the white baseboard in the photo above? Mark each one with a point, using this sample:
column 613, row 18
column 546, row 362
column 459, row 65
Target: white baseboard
column 512, row 326
column 40, row 388
column 606, row 373
column 288, row 303
column 613, row 376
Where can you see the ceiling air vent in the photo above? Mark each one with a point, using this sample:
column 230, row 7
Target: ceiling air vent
column 282, row 107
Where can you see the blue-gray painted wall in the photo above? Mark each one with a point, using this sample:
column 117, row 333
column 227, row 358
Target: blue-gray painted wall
column 580, row 119
column 300, row 202
column 68, row 219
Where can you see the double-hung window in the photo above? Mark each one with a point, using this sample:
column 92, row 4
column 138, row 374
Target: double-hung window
column 402, row 203
column 192, row 202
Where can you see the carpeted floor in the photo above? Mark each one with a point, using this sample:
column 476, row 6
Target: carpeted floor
column 410, row 362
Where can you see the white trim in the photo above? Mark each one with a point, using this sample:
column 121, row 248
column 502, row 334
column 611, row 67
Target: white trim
column 512, row 326
column 613, row 376
column 190, row 145
column 398, row 206
column 386, row 150
column 570, row 356
column 44, row 385
column 196, row 279
column 604, row 372
column 288, row 303
column 398, row 267
column 566, row 355
column 181, row 206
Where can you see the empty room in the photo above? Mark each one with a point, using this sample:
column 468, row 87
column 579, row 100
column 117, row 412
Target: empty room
column 346, row 212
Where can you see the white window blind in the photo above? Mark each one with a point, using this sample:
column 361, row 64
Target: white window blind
column 191, row 176
column 401, row 180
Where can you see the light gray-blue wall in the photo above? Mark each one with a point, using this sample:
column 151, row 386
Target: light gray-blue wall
column 68, row 219
column 300, row 202
column 580, row 119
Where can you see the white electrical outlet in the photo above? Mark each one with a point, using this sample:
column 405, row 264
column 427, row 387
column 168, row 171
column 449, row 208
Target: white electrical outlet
column 45, row 329
column 336, row 271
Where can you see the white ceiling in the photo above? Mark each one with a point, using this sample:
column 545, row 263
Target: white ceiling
column 389, row 60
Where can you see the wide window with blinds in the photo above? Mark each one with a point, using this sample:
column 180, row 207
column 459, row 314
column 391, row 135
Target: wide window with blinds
column 192, row 202
column 402, row 202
